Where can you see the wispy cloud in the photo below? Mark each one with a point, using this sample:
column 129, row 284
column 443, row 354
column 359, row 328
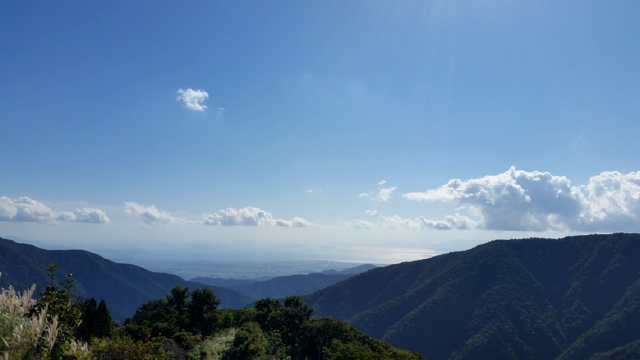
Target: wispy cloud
column 251, row 216
column 382, row 194
column 194, row 99
column 295, row 222
column 360, row 224
column 540, row 201
column 25, row 209
column 450, row 222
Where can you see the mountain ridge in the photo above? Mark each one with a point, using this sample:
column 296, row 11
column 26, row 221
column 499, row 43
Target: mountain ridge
column 512, row 299
column 282, row 286
column 124, row 287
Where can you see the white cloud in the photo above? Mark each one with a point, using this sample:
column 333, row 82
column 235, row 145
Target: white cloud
column 193, row 99
column 450, row 222
column 91, row 215
column 382, row 195
column 396, row 222
column 295, row 222
column 220, row 112
column 360, row 224
column 372, row 213
column 250, row 216
column 150, row 214
column 538, row 201
column 25, row 209
column 613, row 200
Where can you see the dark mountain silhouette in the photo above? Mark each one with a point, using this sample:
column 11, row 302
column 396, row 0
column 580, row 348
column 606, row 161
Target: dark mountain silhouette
column 229, row 283
column 283, row 286
column 358, row 269
column 572, row 298
column 124, row 287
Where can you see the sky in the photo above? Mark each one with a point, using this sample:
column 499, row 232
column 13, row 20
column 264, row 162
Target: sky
column 363, row 131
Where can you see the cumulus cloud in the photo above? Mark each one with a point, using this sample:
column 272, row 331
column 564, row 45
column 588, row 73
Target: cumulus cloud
column 613, row 200
column 194, row 99
column 540, row 201
column 250, row 216
column 382, row 194
column 150, row 214
column 450, row 222
column 385, row 193
column 91, row 215
column 25, row 209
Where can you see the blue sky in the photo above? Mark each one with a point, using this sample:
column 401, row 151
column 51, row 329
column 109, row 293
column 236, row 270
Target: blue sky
column 341, row 130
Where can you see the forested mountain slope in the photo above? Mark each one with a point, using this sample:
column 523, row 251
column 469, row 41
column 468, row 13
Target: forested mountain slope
column 123, row 287
column 571, row 298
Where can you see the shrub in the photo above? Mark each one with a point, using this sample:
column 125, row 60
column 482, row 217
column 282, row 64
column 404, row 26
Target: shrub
column 19, row 333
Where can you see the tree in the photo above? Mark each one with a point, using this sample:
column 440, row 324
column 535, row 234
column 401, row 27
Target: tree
column 249, row 343
column 183, row 311
column 202, row 312
column 58, row 301
column 178, row 302
column 269, row 314
column 295, row 313
column 96, row 320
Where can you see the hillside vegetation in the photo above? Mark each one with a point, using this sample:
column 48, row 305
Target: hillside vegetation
column 124, row 287
column 184, row 325
column 572, row 298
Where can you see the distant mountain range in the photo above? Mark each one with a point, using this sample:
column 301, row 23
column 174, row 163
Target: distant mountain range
column 123, row 287
column 283, row 286
column 572, row 298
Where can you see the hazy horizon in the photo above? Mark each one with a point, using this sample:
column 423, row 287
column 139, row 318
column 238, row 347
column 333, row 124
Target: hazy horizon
column 360, row 132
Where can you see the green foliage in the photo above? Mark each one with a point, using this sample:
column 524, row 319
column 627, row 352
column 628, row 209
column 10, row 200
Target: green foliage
column 173, row 328
column 287, row 330
column 249, row 343
column 58, row 303
column 215, row 347
column 19, row 333
column 124, row 348
column 327, row 338
column 201, row 310
column 96, row 321
column 182, row 311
